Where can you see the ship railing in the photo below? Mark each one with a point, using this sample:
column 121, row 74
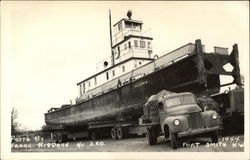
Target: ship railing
column 142, row 71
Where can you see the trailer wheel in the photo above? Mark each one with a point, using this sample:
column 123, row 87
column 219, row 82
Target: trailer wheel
column 93, row 135
column 174, row 139
column 120, row 133
column 100, row 134
column 151, row 136
column 214, row 137
column 55, row 138
column 60, row 138
column 126, row 132
column 113, row 133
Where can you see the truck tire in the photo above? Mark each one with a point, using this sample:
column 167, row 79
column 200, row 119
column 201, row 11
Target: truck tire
column 113, row 133
column 120, row 132
column 151, row 136
column 154, row 134
column 214, row 137
column 173, row 139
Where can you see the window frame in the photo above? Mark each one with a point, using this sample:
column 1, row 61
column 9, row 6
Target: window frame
column 136, row 43
column 107, row 75
column 142, row 44
column 149, row 45
column 119, row 26
column 123, row 68
column 95, row 80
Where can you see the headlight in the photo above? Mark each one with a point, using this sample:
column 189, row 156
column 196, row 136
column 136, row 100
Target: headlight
column 176, row 122
column 214, row 116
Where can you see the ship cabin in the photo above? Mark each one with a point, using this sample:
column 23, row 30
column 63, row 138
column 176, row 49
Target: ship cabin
column 131, row 48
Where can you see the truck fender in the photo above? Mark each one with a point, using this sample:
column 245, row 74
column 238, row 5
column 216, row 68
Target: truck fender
column 209, row 122
column 169, row 122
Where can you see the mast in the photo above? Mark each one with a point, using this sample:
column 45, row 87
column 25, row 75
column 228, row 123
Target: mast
column 111, row 44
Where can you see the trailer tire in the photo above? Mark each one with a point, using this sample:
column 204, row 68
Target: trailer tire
column 94, row 135
column 100, row 134
column 126, row 132
column 113, row 133
column 55, row 139
column 173, row 139
column 60, row 138
column 120, row 133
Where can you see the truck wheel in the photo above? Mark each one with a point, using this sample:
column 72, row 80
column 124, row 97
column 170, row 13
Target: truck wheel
column 113, row 133
column 154, row 135
column 120, row 132
column 214, row 137
column 173, row 138
column 151, row 136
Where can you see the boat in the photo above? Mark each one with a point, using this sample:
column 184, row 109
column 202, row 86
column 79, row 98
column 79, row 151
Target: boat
column 126, row 79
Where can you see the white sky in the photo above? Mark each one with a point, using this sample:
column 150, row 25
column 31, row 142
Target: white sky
column 48, row 47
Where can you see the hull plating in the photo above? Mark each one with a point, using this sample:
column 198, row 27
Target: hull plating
column 126, row 103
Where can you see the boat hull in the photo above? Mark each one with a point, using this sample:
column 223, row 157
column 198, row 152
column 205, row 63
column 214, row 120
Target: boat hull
column 197, row 73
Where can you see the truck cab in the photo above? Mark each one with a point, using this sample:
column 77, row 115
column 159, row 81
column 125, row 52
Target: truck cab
column 177, row 115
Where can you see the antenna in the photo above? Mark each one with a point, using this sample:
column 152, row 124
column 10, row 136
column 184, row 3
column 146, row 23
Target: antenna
column 129, row 14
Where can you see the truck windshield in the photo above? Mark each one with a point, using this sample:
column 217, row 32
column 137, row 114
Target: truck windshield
column 180, row 100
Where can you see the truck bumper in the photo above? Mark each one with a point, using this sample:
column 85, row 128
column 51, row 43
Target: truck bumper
column 198, row 131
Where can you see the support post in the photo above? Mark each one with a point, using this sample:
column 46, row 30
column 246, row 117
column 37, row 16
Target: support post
column 202, row 76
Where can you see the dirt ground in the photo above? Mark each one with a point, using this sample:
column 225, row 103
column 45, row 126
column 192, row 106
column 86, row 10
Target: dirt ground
column 233, row 143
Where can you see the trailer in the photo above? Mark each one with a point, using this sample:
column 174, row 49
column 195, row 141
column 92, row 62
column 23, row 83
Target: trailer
column 98, row 130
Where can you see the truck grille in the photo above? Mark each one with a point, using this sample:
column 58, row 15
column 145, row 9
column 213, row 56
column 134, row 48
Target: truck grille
column 196, row 121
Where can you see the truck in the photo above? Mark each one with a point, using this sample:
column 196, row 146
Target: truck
column 177, row 116
column 231, row 109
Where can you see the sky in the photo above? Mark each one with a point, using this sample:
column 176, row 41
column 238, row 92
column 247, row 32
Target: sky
column 50, row 46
